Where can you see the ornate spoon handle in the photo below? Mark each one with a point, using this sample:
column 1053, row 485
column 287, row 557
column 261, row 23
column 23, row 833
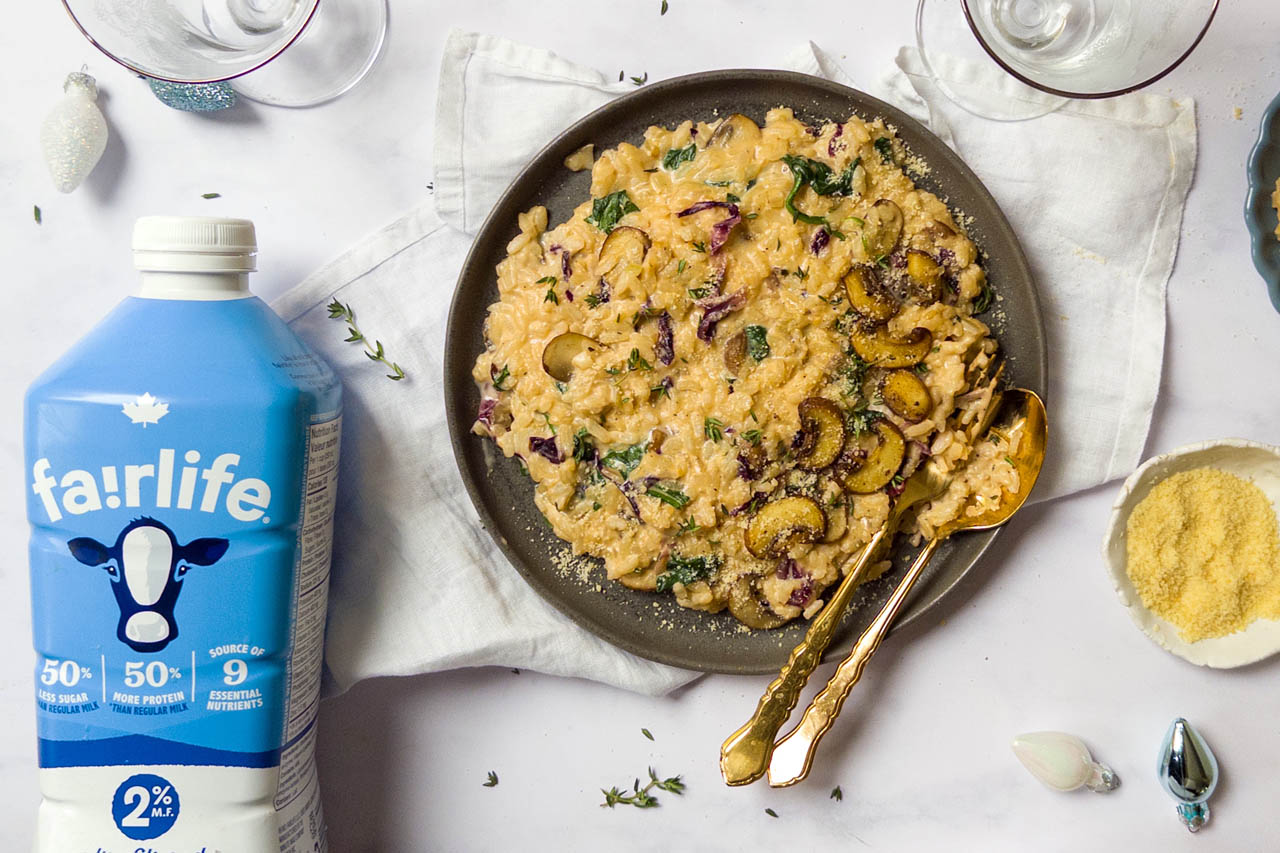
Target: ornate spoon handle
column 744, row 757
column 793, row 755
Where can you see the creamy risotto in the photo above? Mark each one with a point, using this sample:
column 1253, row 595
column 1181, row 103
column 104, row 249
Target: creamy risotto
column 720, row 370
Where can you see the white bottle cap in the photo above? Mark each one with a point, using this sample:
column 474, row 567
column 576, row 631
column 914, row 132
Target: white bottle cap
column 203, row 244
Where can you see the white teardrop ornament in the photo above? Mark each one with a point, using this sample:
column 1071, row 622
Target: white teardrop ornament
column 74, row 134
column 1063, row 762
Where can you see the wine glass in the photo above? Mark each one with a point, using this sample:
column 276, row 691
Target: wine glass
column 292, row 53
column 1054, row 50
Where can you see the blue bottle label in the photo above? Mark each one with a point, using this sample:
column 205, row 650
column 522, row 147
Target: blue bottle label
column 179, row 560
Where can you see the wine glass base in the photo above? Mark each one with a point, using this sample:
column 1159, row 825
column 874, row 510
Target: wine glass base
column 950, row 53
column 336, row 50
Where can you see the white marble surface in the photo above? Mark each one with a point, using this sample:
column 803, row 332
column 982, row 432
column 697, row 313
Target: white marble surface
column 1034, row 639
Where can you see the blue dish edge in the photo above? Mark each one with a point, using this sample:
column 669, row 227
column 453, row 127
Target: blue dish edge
column 1258, row 212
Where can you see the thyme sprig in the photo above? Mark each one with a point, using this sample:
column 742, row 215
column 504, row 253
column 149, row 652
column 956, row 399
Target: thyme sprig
column 375, row 352
column 493, row 780
column 640, row 797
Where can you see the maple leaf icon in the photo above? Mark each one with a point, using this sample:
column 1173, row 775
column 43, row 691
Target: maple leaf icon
column 145, row 410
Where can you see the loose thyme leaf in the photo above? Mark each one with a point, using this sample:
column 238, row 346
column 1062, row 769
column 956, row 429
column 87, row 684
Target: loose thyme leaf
column 636, row 362
column 664, row 8
column 503, row 376
column 676, row 156
column 35, row 209
column 211, row 195
column 679, row 267
column 493, row 780
column 343, row 312
column 647, row 733
column 712, row 428
column 606, row 211
column 837, row 794
column 640, row 81
column 770, row 812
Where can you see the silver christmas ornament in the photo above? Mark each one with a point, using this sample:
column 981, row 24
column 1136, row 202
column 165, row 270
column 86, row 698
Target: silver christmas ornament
column 1189, row 772
column 1063, row 762
column 74, row 134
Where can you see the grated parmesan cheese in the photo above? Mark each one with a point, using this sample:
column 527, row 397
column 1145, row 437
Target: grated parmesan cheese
column 1204, row 553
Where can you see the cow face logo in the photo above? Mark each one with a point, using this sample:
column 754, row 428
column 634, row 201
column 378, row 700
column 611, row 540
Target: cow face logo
column 146, row 566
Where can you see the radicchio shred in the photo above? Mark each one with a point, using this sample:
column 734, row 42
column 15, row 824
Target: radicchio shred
column 820, row 240
column 789, row 569
column 715, row 309
column 831, row 146
column 485, row 414
column 665, row 348
column 720, row 231
column 546, row 448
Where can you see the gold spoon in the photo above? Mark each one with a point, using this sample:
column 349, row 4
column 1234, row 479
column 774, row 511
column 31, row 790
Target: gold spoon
column 792, row 757
column 744, row 757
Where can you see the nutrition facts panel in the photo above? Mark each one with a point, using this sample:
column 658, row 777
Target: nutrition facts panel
column 315, row 537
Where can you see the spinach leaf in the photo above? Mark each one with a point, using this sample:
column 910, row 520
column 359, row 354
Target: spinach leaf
column 686, row 570
column 668, row 494
column 983, row 303
column 625, row 460
column 605, row 212
column 673, row 158
column 757, row 342
column 819, row 177
column 885, row 147
column 584, row 449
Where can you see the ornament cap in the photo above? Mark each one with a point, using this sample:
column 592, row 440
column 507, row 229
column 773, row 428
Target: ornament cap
column 78, row 82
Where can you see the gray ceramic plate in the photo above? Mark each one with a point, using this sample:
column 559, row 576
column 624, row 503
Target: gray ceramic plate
column 644, row 623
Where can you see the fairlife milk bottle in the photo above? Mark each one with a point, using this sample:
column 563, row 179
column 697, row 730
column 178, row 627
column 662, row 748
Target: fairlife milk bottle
column 181, row 464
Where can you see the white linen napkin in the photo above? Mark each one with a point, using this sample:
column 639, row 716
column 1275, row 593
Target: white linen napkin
column 1095, row 192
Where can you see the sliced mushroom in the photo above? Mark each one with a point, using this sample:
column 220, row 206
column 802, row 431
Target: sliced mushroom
column 883, row 229
column 749, row 606
column 906, row 395
column 735, row 352
column 624, row 245
column 737, row 133
column 939, row 230
column 881, row 463
column 925, row 277
column 782, row 523
column 822, row 424
column 837, row 509
column 868, row 296
column 882, row 350
column 560, row 351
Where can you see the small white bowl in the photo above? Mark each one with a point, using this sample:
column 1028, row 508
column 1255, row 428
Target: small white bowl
column 1250, row 460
